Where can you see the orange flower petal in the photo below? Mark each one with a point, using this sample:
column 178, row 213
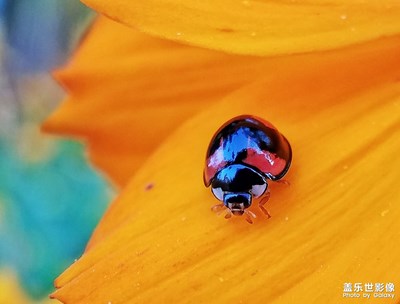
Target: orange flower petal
column 326, row 229
column 127, row 91
column 259, row 27
column 361, row 66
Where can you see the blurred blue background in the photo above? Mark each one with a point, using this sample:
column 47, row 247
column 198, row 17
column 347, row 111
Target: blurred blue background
column 50, row 197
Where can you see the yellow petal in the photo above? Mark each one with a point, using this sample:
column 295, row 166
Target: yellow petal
column 337, row 222
column 259, row 27
column 127, row 91
column 12, row 292
column 360, row 67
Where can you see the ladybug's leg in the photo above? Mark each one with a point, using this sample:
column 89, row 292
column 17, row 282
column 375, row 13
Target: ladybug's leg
column 228, row 213
column 221, row 207
column 249, row 215
column 263, row 202
column 283, row 181
column 218, row 208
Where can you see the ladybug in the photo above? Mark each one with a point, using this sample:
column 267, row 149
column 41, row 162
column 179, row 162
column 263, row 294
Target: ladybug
column 243, row 155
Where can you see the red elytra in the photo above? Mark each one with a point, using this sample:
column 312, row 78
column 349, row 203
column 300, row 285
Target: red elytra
column 243, row 154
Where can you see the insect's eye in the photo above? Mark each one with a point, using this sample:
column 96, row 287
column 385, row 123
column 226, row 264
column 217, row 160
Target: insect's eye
column 258, row 190
column 218, row 193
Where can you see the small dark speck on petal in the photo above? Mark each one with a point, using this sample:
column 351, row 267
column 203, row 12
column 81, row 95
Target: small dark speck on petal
column 254, row 273
column 149, row 186
column 226, row 30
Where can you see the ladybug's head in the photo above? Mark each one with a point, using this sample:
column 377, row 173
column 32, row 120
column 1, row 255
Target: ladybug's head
column 236, row 185
column 237, row 202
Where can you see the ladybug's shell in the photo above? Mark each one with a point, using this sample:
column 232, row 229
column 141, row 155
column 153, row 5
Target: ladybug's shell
column 250, row 141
